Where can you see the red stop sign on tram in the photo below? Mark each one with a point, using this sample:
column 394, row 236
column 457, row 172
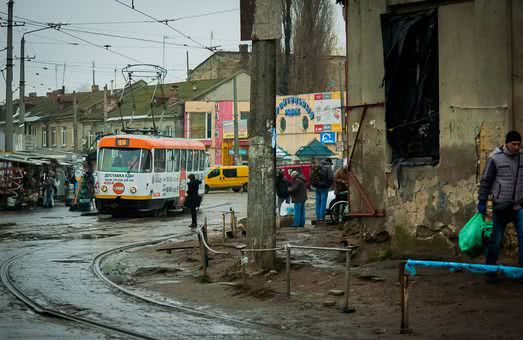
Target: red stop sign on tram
column 118, row 188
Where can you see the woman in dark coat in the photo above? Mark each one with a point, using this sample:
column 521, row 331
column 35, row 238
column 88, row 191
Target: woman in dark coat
column 193, row 199
column 298, row 192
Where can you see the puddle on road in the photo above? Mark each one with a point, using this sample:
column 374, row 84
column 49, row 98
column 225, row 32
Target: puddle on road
column 70, row 261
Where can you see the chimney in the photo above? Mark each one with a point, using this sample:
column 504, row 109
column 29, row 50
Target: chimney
column 95, row 88
column 244, row 55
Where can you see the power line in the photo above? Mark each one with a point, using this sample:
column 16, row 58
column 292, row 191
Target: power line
column 119, row 36
column 153, row 21
column 129, row 38
column 166, row 23
column 106, row 47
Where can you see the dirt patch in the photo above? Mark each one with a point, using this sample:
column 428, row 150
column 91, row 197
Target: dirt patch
column 443, row 304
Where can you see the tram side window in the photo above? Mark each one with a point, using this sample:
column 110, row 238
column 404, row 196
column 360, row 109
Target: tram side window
column 196, row 160
column 170, row 159
column 176, row 160
column 159, row 160
column 202, row 160
column 189, row 160
column 182, row 160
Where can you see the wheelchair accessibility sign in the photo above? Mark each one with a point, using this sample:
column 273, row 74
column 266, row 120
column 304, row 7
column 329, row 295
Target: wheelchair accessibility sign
column 328, row 137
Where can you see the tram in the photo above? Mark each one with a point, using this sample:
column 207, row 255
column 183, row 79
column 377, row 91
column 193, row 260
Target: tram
column 138, row 173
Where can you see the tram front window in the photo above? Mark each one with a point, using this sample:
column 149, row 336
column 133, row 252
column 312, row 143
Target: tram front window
column 124, row 160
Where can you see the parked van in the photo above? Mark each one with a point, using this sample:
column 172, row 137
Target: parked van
column 225, row 177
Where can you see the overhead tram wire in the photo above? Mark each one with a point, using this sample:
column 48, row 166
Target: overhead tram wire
column 101, row 46
column 84, row 40
column 152, row 21
column 119, row 36
column 166, row 23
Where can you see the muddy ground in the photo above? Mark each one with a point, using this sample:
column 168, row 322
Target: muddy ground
column 442, row 304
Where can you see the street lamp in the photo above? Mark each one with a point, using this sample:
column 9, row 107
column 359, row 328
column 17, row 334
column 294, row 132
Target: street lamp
column 21, row 107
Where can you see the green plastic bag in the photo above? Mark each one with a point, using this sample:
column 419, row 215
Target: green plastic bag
column 474, row 235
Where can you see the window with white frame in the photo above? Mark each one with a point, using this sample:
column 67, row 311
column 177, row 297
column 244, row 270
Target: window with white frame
column 200, row 125
column 64, row 136
column 44, row 137
column 53, row 137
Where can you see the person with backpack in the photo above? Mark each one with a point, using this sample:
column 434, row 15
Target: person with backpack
column 503, row 178
column 322, row 179
column 282, row 188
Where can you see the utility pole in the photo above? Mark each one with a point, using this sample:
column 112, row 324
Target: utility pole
column 115, row 70
column 55, row 76
column 75, row 122
column 9, row 81
column 163, row 59
column 261, row 211
column 236, row 134
column 188, row 70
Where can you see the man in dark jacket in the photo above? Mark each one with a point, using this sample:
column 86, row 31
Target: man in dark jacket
column 298, row 192
column 282, row 188
column 321, row 180
column 503, row 178
column 193, row 199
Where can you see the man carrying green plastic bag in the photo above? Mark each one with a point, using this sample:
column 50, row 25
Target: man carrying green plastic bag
column 474, row 235
column 503, row 180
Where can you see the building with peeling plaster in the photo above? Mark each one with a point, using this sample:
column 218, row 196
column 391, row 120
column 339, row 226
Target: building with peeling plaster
column 449, row 73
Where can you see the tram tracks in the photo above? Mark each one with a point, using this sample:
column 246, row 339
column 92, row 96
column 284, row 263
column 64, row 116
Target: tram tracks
column 96, row 267
column 38, row 308
column 50, row 312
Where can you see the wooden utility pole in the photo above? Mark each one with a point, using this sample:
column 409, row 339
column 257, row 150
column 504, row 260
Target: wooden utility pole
column 75, row 122
column 262, row 132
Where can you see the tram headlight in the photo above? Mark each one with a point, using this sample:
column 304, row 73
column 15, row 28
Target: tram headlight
column 104, row 188
column 133, row 190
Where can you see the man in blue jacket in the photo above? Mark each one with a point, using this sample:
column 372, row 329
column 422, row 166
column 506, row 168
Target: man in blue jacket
column 503, row 178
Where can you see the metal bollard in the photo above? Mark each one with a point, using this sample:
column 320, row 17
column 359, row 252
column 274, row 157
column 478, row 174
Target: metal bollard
column 288, row 269
column 404, row 295
column 244, row 265
column 223, row 231
column 346, row 308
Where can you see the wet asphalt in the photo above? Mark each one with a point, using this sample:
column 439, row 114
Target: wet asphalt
column 57, row 248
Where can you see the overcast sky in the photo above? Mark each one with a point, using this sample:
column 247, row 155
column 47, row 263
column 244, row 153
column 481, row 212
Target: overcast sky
column 51, row 48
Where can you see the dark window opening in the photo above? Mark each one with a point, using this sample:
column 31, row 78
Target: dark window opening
column 230, row 173
column 410, row 47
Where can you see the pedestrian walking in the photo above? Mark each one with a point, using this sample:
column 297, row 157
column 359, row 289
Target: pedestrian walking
column 503, row 178
column 49, row 185
column 282, row 188
column 298, row 193
column 322, row 180
column 193, row 199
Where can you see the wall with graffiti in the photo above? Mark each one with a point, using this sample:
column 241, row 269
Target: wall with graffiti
column 302, row 118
